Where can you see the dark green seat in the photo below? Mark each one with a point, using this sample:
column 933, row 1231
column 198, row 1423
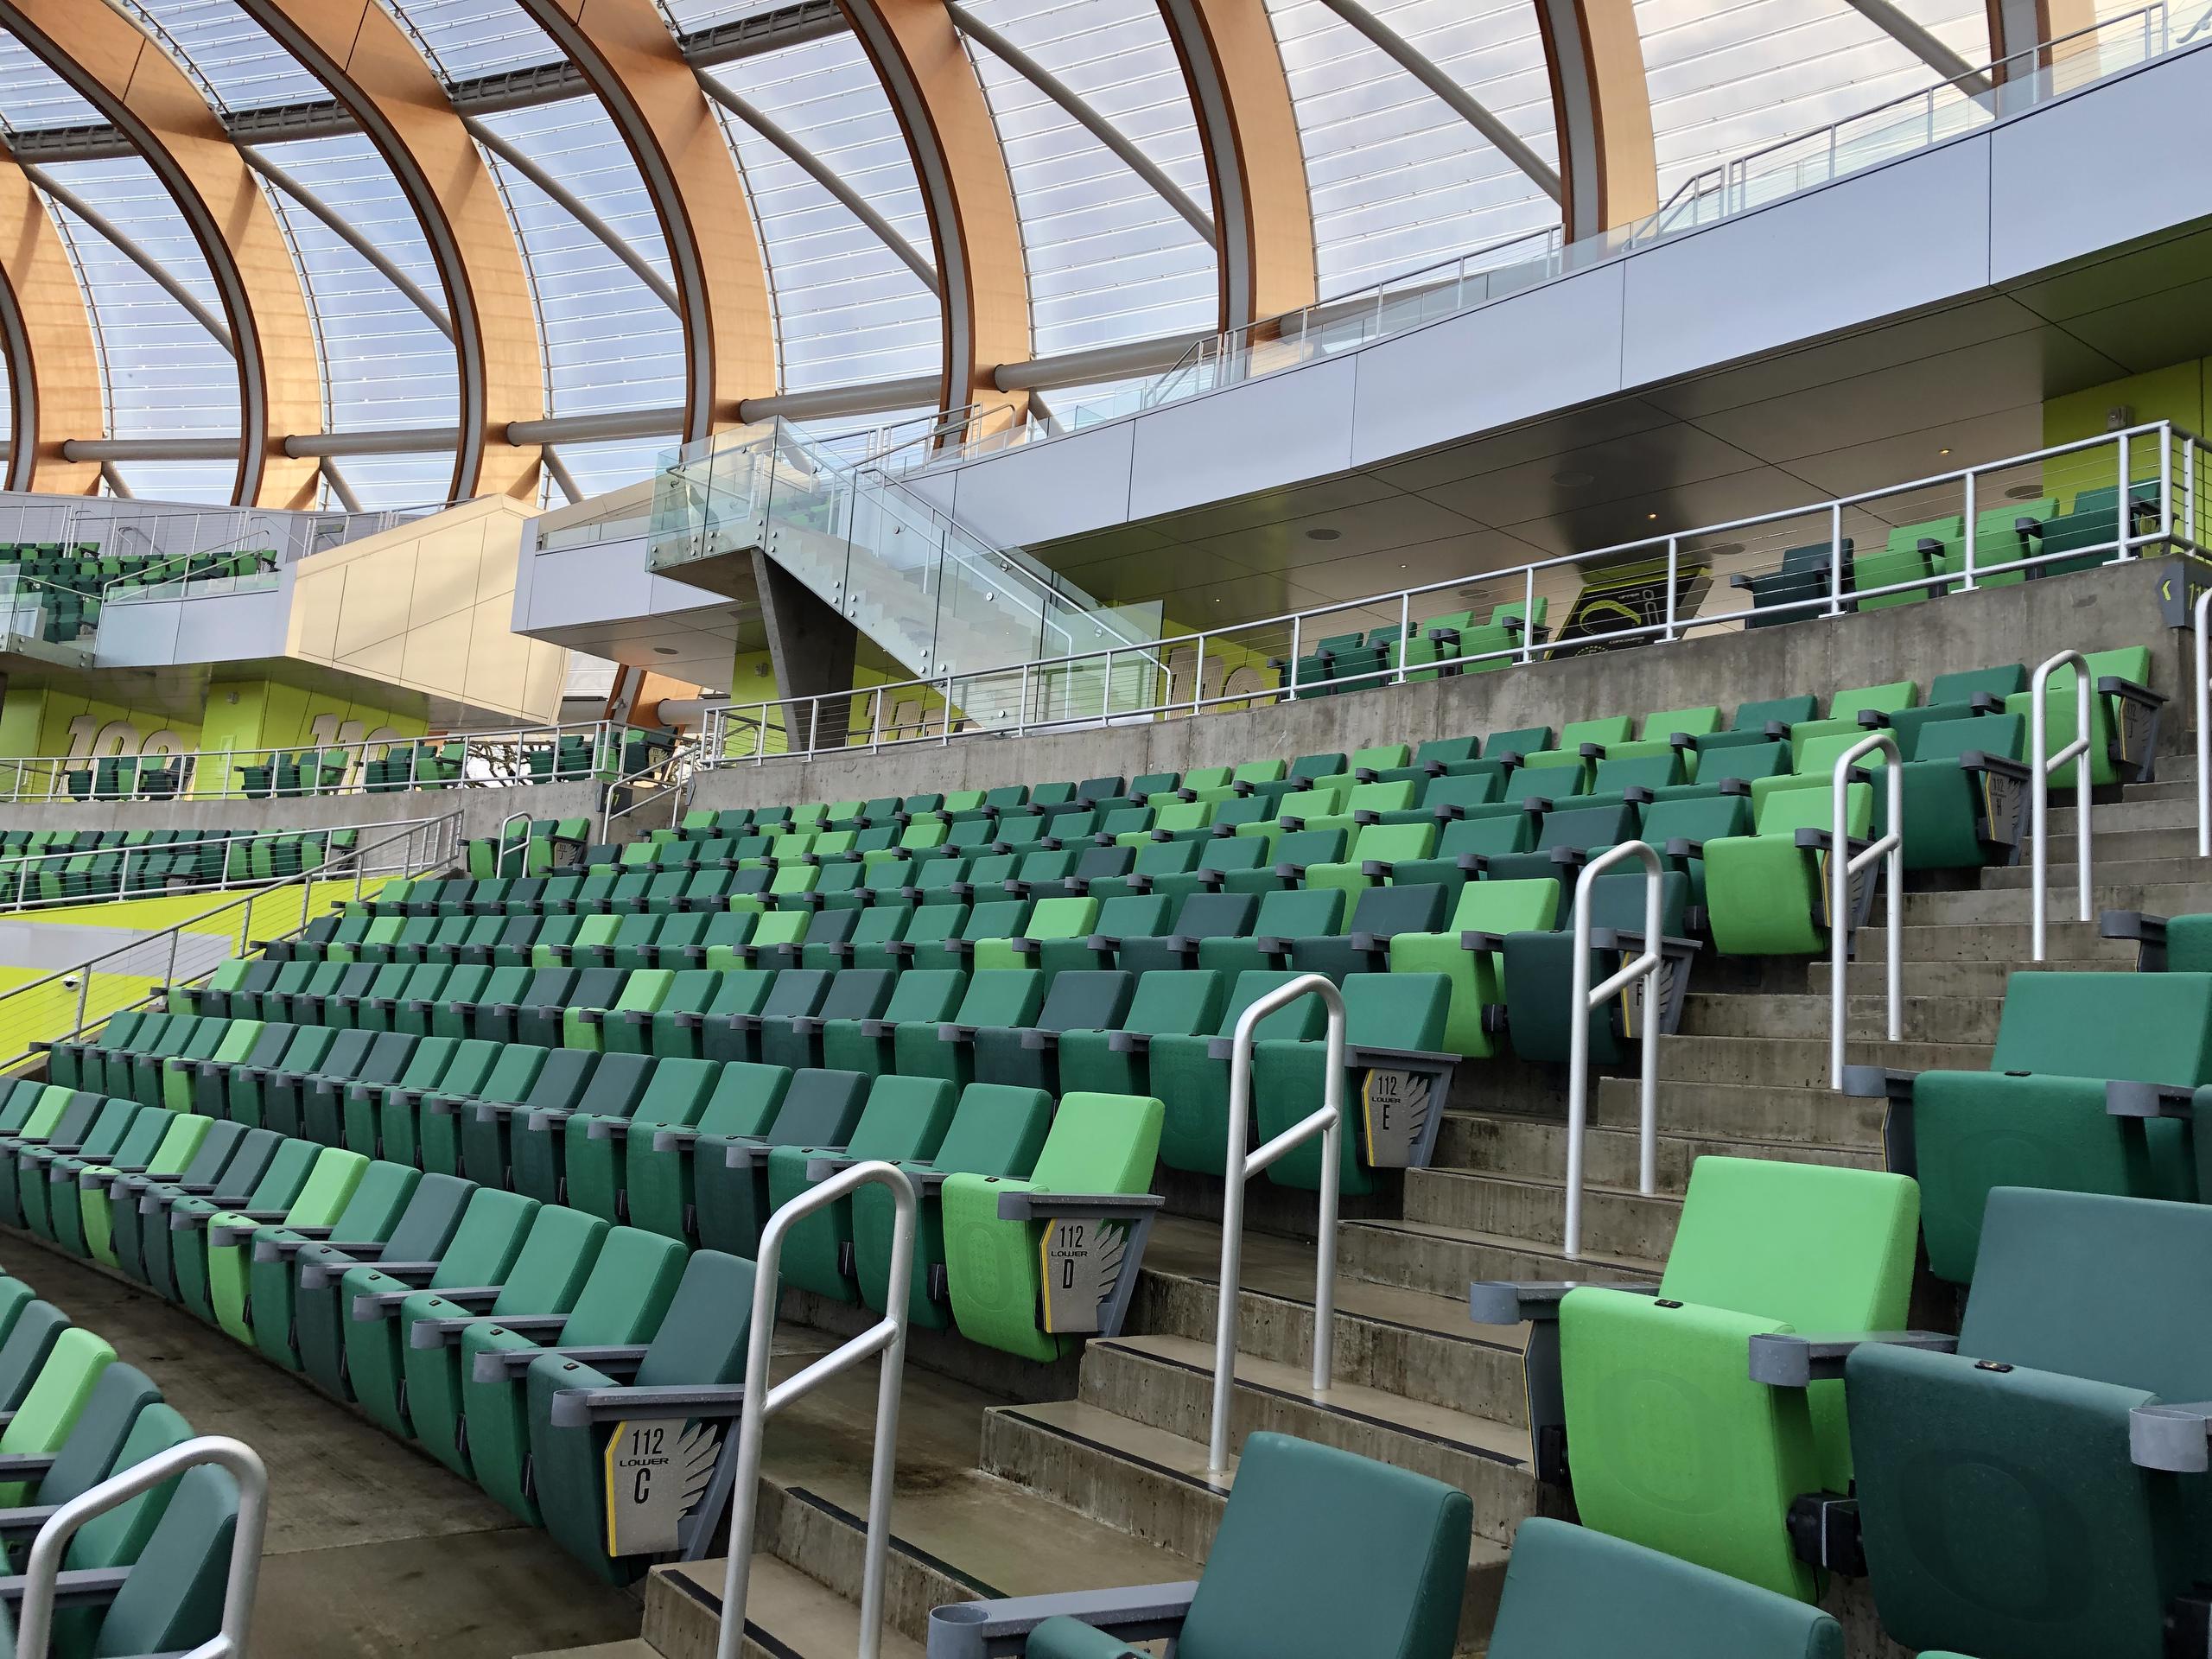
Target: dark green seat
column 995, row 996
column 1539, row 971
column 729, row 1172
column 1026, row 1057
column 1364, row 945
column 905, row 1120
column 657, row 1184
column 1398, row 1015
column 1291, row 913
column 1166, row 1002
column 866, row 1044
column 855, row 994
column 1200, row 917
column 1190, row 1072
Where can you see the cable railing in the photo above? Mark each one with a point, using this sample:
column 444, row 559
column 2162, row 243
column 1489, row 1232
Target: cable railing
column 2041, row 764
column 67, row 1003
column 1239, row 1168
column 601, row 750
column 1951, row 107
column 1845, row 862
column 886, row 1337
column 2115, row 497
column 45, row 1582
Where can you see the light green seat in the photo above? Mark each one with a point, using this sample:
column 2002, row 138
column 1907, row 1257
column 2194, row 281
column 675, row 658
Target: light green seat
column 2120, row 746
column 1844, row 709
column 49, row 1406
column 1671, row 1443
column 1099, row 1144
column 1766, row 895
column 1473, row 976
column 1377, row 850
column 329, row 1188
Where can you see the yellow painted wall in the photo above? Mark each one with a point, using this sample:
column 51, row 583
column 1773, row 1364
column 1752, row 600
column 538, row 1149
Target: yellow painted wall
column 430, row 607
column 2176, row 393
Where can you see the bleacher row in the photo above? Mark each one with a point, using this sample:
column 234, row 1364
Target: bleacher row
column 70, row 584
column 146, row 1576
column 1795, row 590
column 65, row 865
column 565, row 1095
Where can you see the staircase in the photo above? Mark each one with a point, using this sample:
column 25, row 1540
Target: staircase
column 933, row 594
column 1110, row 1486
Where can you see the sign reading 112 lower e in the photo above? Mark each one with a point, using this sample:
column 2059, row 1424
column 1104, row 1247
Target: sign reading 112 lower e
column 1397, row 1105
column 658, row 1469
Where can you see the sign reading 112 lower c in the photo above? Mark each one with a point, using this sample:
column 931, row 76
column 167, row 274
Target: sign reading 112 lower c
column 658, row 1469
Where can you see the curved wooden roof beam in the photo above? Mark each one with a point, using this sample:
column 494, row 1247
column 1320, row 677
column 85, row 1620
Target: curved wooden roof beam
column 631, row 62
column 370, row 67
column 53, row 371
column 2017, row 28
column 1262, row 211
column 112, row 65
column 1601, row 108
column 939, row 102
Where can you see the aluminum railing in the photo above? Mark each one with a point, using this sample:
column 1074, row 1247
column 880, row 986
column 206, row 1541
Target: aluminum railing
column 2041, row 764
column 887, row 1337
column 2155, row 471
column 44, row 1581
column 1843, row 864
column 425, row 844
column 2201, row 613
column 1328, row 1123
column 1585, row 999
column 18, row 868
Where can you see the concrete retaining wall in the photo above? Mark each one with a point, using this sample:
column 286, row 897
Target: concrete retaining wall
column 2092, row 610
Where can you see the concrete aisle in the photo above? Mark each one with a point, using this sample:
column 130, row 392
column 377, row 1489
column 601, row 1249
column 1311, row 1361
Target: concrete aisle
column 374, row 1551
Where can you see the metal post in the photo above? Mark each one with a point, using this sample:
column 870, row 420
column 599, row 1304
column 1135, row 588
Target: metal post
column 42, row 1575
column 1584, row 1000
column 887, row 1337
column 1674, row 565
column 944, row 721
column 1106, row 692
column 1835, row 559
column 1843, row 864
column 1968, row 547
column 1240, row 1167
column 2165, row 485
column 1199, row 679
column 1405, row 628
column 2200, row 615
column 2039, row 770
column 84, row 992
column 2125, row 518
column 1527, row 615
column 1295, row 622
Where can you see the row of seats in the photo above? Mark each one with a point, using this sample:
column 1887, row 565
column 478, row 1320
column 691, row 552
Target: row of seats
column 75, row 1417
column 84, row 568
column 67, row 866
column 1353, row 661
column 1763, row 1412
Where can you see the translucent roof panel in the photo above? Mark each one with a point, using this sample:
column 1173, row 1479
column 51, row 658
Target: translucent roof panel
column 231, row 54
column 167, row 376
column 1728, row 78
column 1398, row 180
column 598, row 468
column 848, row 308
column 467, row 38
column 32, row 95
column 389, row 364
column 1110, row 260
column 610, row 341
column 178, row 480
column 397, row 480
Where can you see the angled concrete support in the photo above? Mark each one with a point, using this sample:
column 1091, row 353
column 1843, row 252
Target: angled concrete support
column 812, row 649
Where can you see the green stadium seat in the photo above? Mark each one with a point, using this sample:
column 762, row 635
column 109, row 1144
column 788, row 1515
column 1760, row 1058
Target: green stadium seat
column 1028, row 1057
column 1190, row 1072
column 729, row 1172
column 657, row 1180
column 595, row 1155
column 1539, row 972
column 945, row 1049
column 1469, row 955
column 905, row 1120
column 1768, row 894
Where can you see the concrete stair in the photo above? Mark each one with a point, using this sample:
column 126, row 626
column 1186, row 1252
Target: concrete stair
column 1116, row 1477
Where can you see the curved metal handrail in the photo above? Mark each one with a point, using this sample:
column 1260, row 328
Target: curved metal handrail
column 1587, row 998
column 1843, row 864
column 2040, row 765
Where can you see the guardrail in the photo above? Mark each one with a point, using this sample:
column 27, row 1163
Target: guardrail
column 1585, row 999
column 1329, row 1124
column 2040, row 765
column 17, row 869
column 43, row 1579
column 887, row 1337
column 2201, row 613
column 1843, row 864
column 1793, row 563
column 426, row 844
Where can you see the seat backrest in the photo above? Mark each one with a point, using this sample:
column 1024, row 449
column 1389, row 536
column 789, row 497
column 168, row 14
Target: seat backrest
column 1216, row 915
column 58, row 1394
column 905, row 1117
column 701, row 1338
column 1305, row 1520
column 1788, row 711
column 1965, row 685
column 2136, row 1028
column 1169, row 1002
column 1689, row 722
column 1823, row 1249
column 427, row 1225
column 1617, row 901
column 172, row 1598
column 746, row 1097
column 1002, row 996
column 1298, row 1022
column 1300, row 913
column 2004, row 736
column 820, row 1109
column 1573, row 1591
column 926, row 993
column 1385, row 910
column 2108, row 1289
column 1086, row 999
column 1709, row 819
column 628, row 1289
column 1396, row 1010
column 554, row 1261
column 1785, row 811
column 996, row 1128
column 1589, row 828
column 118, row 1537
column 96, row 1438
column 1883, row 699
column 1506, row 907
column 1100, row 1143
column 858, row 994
column 1135, row 916
column 797, row 990
column 485, row 1244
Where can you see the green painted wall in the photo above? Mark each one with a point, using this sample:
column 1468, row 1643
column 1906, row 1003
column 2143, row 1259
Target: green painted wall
column 2177, row 393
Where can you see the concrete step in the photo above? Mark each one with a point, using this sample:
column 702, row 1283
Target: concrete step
column 1799, row 1062
column 1417, row 1347
column 635, row 1648
column 1166, row 1383
column 1505, row 1144
column 2105, row 874
column 2133, row 844
column 2166, row 786
column 2134, row 810
column 1154, row 1484
column 1925, row 1018
column 1747, row 1112
column 1867, row 977
column 788, row 1615
column 2069, row 941
column 1616, row 1220
column 1442, row 1260
column 2009, row 903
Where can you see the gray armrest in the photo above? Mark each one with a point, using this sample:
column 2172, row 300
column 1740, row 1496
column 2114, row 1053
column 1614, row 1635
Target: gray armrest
column 84, row 1587
column 280, row 1249
column 1502, row 1301
column 26, row 1520
column 2176, row 1438
column 25, row 1465
column 674, row 1139
column 2148, row 931
column 2147, row 1100
column 1795, row 1362
column 603, row 1128
column 317, row 1276
column 1102, row 1207
column 439, row 1333
column 501, row 1364
column 822, row 1168
column 983, row 1630
column 1129, row 1042
column 743, row 1155
column 580, row 1407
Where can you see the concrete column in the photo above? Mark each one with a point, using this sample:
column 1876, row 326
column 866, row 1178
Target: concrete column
column 811, row 646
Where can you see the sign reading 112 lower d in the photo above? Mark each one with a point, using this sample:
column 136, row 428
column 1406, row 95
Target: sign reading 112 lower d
column 658, row 1469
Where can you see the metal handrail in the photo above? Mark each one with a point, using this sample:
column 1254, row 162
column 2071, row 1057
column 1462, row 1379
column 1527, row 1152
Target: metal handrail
column 1585, row 999
column 43, row 1573
column 1240, row 1166
column 2202, row 614
column 14, row 866
column 2040, row 765
column 2168, row 530
column 887, row 1337
column 1843, row 864
column 442, row 840
column 499, row 863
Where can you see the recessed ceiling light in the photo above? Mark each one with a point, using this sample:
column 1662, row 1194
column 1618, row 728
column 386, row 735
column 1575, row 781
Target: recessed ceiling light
column 1650, row 515
column 1322, row 534
column 664, row 650
column 1943, row 452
